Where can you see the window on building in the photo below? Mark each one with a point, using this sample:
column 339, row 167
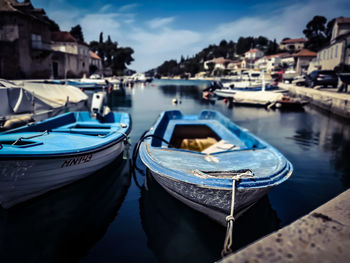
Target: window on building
column 336, row 51
column 331, row 53
column 36, row 41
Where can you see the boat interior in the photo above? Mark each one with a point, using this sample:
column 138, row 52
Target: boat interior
column 202, row 138
column 207, row 133
column 79, row 122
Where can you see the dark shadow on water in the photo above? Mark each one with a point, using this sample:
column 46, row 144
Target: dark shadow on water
column 192, row 92
column 115, row 100
column 177, row 233
column 63, row 225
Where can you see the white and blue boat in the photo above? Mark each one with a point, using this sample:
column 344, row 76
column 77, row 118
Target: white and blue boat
column 203, row 159
column 37, row 158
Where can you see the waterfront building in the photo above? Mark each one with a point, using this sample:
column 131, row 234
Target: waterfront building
column 292, row 44
column 337, row 53
column 71, row 58
column 219, row 63
column 269, row 63
column 95, row 63
column 25, row 50
column 31, row 46
column 287, row 60
column 302, row 60
column 250, row 57
column 253, row 54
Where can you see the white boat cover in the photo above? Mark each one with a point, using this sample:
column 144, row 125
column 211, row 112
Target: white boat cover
column 33, row 97
column 257, row 97
column 55, row 95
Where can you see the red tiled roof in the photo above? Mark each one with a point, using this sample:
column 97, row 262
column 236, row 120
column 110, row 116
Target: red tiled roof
column 274, row 55
column 62, row 37
column 254, row 50
column 343, row 20
column 293, row 40
column 94, row 55
column 305, row 53
column 221, row 60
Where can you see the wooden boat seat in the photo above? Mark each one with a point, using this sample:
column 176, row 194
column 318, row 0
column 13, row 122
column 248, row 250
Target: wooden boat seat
column 220, row 146
column 94, row 129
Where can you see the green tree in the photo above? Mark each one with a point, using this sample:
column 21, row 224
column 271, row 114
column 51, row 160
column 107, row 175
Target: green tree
column 244, row 44
column 77, row 33
column 316, row 33
column 118, row 58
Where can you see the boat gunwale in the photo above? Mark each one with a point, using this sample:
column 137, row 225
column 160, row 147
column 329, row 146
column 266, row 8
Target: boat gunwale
column 275, row 178
column 34, row 156
column 215, row 182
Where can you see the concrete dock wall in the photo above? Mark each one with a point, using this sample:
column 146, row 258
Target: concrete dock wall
column 327, row 99
column 321, row 236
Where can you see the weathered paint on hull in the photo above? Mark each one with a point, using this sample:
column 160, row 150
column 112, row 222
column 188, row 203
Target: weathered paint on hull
column 215, row 203
column 21, row 180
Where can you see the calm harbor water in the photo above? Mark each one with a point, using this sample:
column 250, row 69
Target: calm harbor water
column 117, row 216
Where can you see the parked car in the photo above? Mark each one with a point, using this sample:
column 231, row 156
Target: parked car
column 299, row 81
column 289, row 75
column 321, row 77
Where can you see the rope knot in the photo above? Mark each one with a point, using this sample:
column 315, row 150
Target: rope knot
column 230, row 218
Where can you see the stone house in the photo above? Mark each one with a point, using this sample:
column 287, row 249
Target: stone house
column 338, row 51
column 219, row 63
column 292, row 45
column 71, row 58
column 250, row 57
column 253, row 54
column 248, row 63
column 269, row 63
column 287, row 60
column 25, row 50
column 303, row 59
column 95, row 62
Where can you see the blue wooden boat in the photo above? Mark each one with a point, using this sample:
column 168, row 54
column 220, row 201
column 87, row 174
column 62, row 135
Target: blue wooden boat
column 37, row 158
column 236, row 161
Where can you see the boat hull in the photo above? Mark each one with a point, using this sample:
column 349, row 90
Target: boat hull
column 23, row 179
column 204, row 179
column 215, row 203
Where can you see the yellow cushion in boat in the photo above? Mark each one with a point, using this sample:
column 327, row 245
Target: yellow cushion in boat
column 197, row 145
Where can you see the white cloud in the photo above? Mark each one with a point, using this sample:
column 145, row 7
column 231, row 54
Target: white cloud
column 93, row 24
column 152, row 49
column 125, row 8
column 160, row 22
column 157, row 40
column 105, row 8
column 66, row 20
column 287, row 21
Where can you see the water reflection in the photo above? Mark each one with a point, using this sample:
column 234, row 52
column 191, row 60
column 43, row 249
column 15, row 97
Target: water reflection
column 63, row 225
column 326, row 135
column 177, row 233
column 115, row 100
column 192, row 92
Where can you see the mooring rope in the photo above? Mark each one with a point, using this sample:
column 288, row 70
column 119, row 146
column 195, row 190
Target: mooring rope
column 30, row 137
column 138, row 144
column 230, row 218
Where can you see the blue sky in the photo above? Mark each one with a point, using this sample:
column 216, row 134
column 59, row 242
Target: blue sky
column 162, row 30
